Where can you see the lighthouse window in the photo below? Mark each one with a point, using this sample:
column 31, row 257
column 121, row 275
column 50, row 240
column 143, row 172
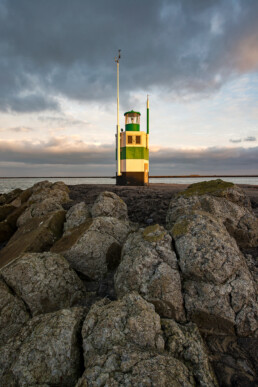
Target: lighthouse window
column 138, row 139
column 129, row 139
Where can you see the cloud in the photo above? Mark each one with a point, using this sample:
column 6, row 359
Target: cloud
column 70, row 153
column 237, row 140
column 17, row 129
column 62, row 121
column 51, row 48
column 250, row 138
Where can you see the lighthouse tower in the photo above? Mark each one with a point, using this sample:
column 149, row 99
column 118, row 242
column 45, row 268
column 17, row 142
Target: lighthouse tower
column 134, row 151
column 132, row 146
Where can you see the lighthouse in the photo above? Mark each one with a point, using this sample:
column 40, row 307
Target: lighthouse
column 132, row 146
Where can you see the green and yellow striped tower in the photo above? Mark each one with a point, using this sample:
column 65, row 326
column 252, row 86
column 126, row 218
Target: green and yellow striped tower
column 134, row 151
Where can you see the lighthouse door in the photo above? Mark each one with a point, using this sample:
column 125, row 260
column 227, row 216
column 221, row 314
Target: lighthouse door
column 146, row 177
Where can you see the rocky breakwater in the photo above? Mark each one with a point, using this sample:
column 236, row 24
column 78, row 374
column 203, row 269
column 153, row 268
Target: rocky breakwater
column 90, row 298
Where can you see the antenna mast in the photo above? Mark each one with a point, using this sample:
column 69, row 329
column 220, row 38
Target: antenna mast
column 118, row 125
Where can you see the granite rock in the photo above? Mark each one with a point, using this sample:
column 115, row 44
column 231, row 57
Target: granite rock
column 94, row 247
column 124, row 346
column 230, row 206
column 76, row 215
column 44, row 281
column 185, row 343
column 36, row 235
column 46, row 351
column 149, row 266
column 109, row 204
column 39, row 209
column 13, row 313
column 58, row 191
column 218, row 287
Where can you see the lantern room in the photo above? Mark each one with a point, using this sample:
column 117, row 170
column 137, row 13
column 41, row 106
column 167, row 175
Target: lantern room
column 132, row 121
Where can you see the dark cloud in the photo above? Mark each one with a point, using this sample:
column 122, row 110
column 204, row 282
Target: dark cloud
column 51, row 48
column 235, row 140
column 250, row 138
column 66, row 155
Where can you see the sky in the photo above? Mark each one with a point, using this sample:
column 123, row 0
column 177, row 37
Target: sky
column 197, row 59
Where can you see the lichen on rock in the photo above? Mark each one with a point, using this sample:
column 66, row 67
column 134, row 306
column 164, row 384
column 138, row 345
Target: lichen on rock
column 207, row 187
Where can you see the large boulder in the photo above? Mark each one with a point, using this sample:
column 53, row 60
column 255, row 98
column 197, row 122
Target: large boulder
column 227, row 202
column 8, row 225
column 185, row 343
column 76, row 215
column 39, row 209
column 46, row 351
column 131, row 366
column 124, row 346
column 44, row 281
column 94, row 247
column 9, row 197
column 58, row 191
column 36, row 235
column 109, row 204
column 13, row 313
column 149, row 266
column 218, row 288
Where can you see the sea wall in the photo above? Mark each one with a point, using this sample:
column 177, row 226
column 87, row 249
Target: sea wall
column 91, row 295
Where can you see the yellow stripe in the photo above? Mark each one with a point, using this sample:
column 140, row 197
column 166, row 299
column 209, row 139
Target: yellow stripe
column 131, row 165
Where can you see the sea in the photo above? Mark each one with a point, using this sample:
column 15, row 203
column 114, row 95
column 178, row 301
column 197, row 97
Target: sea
column 9, row 184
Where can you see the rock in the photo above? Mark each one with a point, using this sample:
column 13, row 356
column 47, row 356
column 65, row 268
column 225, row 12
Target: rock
column 109, row 204
column 129, row 320
column 5, row 210
column 37, row 210
column 10, row 196
column 8, row 226
column 6, row 231
column 218, row 288
column 46, row 351
column 36, row 235
column 233, row 210
column 76, row 215
column 123, row 346
column 184, row 342
column 13, row 314
column 132, row 367
column 209, row 306
column 206, row 251
column 149, row 266
column 218, row 188
column 44, row 281
column 58, row 191
column 234, row 359
column 94, row 247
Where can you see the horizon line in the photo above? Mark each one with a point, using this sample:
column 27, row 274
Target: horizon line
column 113, row 177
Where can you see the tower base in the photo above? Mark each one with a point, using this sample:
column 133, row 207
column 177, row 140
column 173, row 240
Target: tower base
column 132, row 178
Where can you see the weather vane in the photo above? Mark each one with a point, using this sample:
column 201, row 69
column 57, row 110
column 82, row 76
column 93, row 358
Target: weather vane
column 119, row 56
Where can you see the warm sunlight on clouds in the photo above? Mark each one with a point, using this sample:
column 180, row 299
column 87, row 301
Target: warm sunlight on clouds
column 198, row 60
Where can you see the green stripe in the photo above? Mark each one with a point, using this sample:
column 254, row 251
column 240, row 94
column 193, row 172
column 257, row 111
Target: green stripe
column 134, row 153
column 148, row 120
column 132, row 127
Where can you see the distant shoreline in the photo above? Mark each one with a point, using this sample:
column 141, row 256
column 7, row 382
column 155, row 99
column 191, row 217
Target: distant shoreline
column 113, row 177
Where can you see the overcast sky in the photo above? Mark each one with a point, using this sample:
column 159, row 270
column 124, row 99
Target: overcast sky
column 198, row 60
